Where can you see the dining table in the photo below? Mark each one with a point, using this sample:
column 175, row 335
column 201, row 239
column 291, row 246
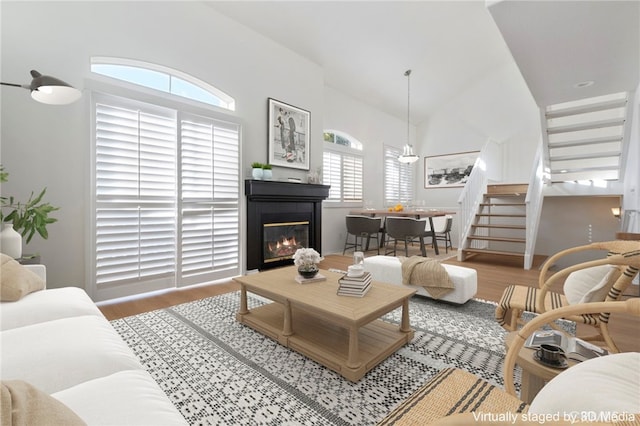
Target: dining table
column 429, row 214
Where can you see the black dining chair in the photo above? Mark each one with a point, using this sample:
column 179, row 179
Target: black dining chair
column 405, row 229
column 361, row 227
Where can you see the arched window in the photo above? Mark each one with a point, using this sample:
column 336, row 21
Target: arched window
column 343, row 167
column 165, row 183
column 163, row 79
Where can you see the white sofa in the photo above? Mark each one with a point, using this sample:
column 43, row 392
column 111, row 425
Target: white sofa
column 389, row 269
column 58, row 341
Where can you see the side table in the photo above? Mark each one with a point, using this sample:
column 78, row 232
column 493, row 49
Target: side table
column 534, row 374
column 29, row 259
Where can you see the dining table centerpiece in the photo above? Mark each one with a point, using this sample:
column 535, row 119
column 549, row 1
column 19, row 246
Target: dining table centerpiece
column 307, row 259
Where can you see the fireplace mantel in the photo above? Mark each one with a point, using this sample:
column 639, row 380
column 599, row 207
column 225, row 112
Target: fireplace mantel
column 257, row 190
column 268, row 199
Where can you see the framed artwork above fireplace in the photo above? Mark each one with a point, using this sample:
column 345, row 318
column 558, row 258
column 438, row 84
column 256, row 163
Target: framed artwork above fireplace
column 288, row 135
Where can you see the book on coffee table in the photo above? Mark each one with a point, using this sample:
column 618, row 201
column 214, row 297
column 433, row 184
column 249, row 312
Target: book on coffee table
column 302, row 280
column 353, row 292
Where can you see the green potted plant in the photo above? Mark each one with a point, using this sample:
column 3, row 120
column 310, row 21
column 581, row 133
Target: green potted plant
column 267, row 174
column 256, row 171
column 24, row 219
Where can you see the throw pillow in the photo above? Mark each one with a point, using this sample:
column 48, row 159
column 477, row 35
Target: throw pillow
column 590, row 284
column 16, row 281
column 23, row 404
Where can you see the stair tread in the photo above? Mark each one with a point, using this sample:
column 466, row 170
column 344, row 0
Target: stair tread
column 500, row 215
column 498, row 252
column 503, row 239
column 497, row 225
column 502, row 204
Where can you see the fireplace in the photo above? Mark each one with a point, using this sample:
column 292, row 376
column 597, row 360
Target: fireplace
column 282, row 217
column 282, row 239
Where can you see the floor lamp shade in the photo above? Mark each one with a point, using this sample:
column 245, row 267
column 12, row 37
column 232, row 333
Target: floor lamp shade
column 49, row 90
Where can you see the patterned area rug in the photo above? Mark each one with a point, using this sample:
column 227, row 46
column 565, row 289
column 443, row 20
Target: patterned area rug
column 217, row 371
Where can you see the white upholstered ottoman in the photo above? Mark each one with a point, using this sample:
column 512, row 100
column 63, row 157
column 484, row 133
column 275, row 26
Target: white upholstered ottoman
column 388, row 269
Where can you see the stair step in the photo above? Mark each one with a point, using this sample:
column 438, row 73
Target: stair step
column 500, row 215
column 499, row 239
column 502, row 204
column 496, row 252
column 585, row 142
column 490, row 195
column 498, row 226
column 585, row 126
column 587, row 156
column 583, row 109
column 507, row 189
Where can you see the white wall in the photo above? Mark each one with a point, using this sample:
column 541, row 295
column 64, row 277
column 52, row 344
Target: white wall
column 631, row 201
column 574, row 221
column 374, row 129
column 497, row 107
column 49, row 145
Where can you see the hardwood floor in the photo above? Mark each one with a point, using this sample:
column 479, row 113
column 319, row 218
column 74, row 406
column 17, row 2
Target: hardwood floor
column 495, row 273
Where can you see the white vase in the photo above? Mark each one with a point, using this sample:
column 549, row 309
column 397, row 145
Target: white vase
column 267, row 174
column 10, row 241
column 256, row 173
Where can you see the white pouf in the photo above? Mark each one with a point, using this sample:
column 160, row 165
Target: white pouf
column 389, row 269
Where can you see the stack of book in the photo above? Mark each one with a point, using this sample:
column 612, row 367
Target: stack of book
column 354, row 286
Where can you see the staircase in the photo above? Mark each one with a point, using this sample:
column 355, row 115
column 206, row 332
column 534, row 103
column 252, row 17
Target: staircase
column 499, row 226
column 585, row 139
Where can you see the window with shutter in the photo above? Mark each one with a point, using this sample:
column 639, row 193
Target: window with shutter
column 342, row 167
column 398, row 178
column 166, row 197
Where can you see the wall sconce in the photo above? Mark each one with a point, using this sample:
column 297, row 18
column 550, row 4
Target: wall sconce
column 616, row 212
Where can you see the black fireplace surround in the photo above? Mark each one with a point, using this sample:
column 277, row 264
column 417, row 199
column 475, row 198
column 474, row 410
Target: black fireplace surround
column 273, row 201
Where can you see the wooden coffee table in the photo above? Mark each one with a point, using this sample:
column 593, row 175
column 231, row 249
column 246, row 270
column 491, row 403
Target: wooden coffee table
column 342, row 333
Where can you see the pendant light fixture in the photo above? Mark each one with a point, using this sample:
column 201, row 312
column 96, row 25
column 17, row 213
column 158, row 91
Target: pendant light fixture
column 49, row 90
column 407, row 155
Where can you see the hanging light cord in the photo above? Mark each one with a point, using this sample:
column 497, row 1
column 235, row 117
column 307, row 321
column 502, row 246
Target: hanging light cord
column 408, row 74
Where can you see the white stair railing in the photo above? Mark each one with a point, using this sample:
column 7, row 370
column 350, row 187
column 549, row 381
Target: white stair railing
column 533, row 203
column 472, row 195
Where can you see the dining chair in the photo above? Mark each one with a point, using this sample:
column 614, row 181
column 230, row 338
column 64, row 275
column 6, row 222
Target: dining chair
column 444, row 234
column 405, row 229
column 362, row 227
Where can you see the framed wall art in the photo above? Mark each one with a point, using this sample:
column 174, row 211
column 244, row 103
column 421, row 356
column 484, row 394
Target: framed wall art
column 450, row 170
column 288, row 135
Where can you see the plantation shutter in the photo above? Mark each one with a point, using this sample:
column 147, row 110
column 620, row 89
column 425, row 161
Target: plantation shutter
column 331, row 174
column 352, row 178
column 210, row 191
column 344, row 173
column 135, row 182
column 398, row 178
column 167, row 197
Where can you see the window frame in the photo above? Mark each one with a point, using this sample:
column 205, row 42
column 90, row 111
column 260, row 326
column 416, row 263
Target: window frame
column 344, row 152
column 228, row 103
column 98, row 89
column 404, row 190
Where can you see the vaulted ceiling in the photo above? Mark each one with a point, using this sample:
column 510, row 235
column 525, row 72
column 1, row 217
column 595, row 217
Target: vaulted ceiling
column 365, row 47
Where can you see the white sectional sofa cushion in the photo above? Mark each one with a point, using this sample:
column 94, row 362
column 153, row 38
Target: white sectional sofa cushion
column 138, row 399
column 58, row 341
column 43, row 306
column 609, row 384
column 389, row 269
column 58, row 354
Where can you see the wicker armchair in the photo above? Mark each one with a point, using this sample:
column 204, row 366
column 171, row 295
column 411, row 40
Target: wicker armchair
column 624, row 258
column 456, row 397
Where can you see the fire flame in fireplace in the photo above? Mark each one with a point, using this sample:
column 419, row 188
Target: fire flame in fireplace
column 283, row 247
